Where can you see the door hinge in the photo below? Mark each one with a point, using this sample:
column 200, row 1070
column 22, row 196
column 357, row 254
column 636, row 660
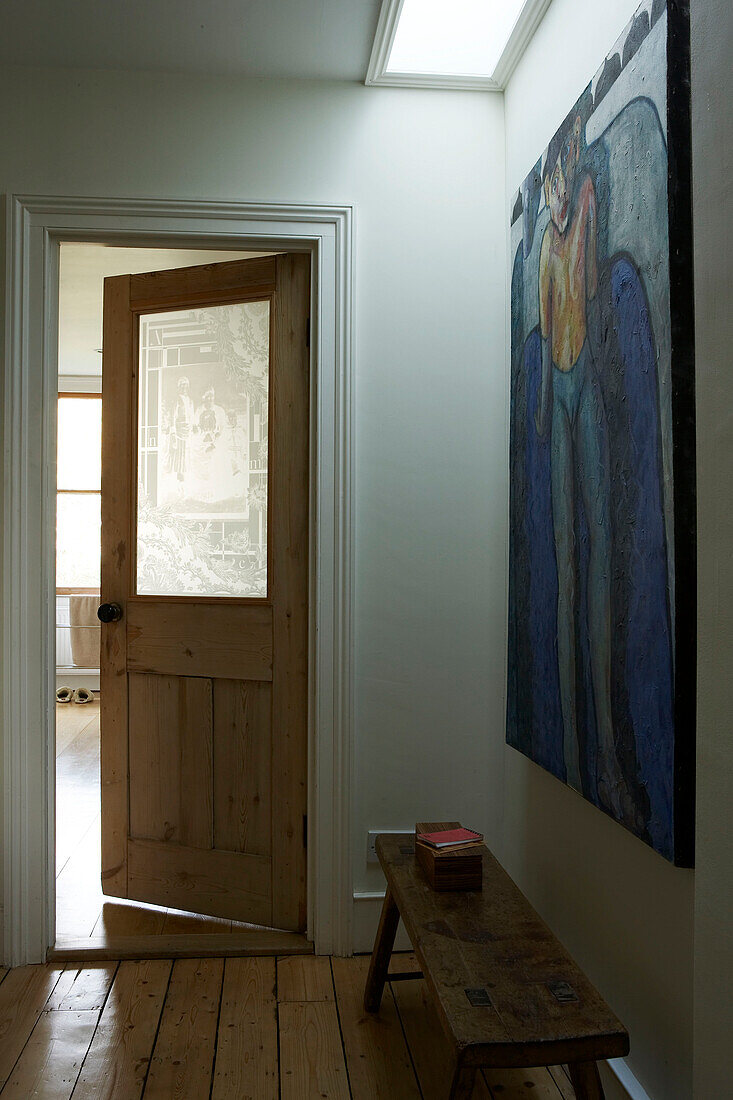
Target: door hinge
column 305, row 830
column 308, row 332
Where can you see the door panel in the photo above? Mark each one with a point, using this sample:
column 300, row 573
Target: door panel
column 242, row 766
column 225, row 884
column 171, row 752
column 187, row 639
column 204, row 692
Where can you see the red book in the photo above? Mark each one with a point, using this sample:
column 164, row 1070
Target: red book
column 449, row 837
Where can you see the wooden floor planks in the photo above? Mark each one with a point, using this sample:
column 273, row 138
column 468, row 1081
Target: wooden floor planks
column 183, row 1057
column 23, row 995
column 234, row 1029
column 118, row 1058
column 247, row 1050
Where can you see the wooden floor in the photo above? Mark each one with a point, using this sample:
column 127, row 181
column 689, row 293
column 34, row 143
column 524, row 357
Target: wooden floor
column 81, row 908
column 216, row 1029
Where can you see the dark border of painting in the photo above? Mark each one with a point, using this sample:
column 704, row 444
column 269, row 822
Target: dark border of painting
column 682, row 310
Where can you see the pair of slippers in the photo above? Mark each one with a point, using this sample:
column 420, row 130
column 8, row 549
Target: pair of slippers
column 69, row 695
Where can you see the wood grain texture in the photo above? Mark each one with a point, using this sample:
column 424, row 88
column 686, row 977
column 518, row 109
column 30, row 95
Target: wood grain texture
column 244, row 752
column 562, row 1080
column 383, row 944
column 247, row 1048
column 305, row 979
column 242, row 766
column 179, row 1032
column 205, row 945
column 432, row 1054
column 226, row 639
column 192, row 924
column 77, row 788
column 495, row 940
column 377, row 1057
column 117, row 1062
column 223, row 884
column 203, row 283
column 71, row 721
column 586, row 1080
column 118, row 379
column 52, row 1058
column 23, row 996
column 522, row 1084
column 128, row 918
column 79, row 896
column 289, row 553
column 82, row 989
column 171, row 754
column 311, row 1056
column 183, row 1057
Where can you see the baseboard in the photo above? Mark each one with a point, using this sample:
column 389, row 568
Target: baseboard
column 365, row 918
column 78, row 677
column 618, row 1076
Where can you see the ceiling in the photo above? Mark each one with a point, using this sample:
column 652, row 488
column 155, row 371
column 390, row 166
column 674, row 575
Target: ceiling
column 310, row 39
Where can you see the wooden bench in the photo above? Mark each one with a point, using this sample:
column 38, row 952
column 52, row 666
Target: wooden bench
column 507, row 993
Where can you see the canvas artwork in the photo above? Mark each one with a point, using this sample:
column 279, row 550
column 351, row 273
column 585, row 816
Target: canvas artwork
column 601, row 670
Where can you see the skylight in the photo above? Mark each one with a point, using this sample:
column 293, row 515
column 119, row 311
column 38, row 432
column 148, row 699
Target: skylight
column 450, row 43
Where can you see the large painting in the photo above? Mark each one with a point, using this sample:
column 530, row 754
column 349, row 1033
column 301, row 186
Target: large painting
column 601, row 680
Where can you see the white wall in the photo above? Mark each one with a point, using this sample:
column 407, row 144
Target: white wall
column 625, row 913
column 712, row 151
column 425, row 173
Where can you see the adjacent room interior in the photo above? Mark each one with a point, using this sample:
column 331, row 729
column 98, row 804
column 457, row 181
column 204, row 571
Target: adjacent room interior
column 81, row 908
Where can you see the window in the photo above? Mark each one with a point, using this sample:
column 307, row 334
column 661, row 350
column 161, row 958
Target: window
column 78, row 496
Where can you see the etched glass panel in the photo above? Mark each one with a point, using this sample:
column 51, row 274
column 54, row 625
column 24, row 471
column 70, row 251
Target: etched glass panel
column 202, row 451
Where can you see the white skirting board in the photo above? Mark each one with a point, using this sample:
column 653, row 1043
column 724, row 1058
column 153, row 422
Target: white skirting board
column 365, row 918
column 617, row 1075
column 619, row 1082
column 78, row 677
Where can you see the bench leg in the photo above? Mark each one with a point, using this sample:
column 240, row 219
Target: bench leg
column 464, row 1080
column 586, row 1080
column 381, row 954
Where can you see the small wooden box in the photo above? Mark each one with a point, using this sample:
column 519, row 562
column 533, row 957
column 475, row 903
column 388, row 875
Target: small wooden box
column 448, row 870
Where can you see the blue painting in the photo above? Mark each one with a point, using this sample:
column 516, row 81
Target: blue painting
column 601, row 670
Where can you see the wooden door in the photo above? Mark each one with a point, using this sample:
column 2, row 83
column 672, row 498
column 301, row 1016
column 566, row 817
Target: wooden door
column 205, row 395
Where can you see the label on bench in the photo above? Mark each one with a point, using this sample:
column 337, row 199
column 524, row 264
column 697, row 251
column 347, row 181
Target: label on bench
column 479, row 998
column 562, row 992
column 407, row 850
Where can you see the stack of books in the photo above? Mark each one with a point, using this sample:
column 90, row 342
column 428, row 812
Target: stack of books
column 450, row 856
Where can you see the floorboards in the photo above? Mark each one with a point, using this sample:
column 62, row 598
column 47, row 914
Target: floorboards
column 230, row 1029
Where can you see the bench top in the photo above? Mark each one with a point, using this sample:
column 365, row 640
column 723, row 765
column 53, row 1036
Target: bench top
column 541, row 1010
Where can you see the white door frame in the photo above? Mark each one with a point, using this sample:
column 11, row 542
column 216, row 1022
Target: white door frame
column 35, row 227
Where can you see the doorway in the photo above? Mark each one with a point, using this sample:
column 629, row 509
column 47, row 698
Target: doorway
column 183, row 345
column 36, row 227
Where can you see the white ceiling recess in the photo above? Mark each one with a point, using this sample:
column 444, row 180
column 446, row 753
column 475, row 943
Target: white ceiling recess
column 82, row 271
column 301, row 39
column 451, row 29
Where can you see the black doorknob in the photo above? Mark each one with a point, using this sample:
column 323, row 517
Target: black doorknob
column 109, row 612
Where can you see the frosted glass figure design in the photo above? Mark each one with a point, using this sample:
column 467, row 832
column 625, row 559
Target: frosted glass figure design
column 202, row 451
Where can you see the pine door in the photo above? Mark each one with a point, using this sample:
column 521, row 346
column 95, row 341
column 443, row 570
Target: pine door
column 205, row 451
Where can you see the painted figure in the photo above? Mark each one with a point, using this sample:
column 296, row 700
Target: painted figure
column 570, row 406
column 601, row 458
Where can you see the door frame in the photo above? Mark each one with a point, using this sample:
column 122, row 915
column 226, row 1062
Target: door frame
column 36, row 225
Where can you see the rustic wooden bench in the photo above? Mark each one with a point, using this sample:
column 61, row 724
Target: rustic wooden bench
column 507, row 993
